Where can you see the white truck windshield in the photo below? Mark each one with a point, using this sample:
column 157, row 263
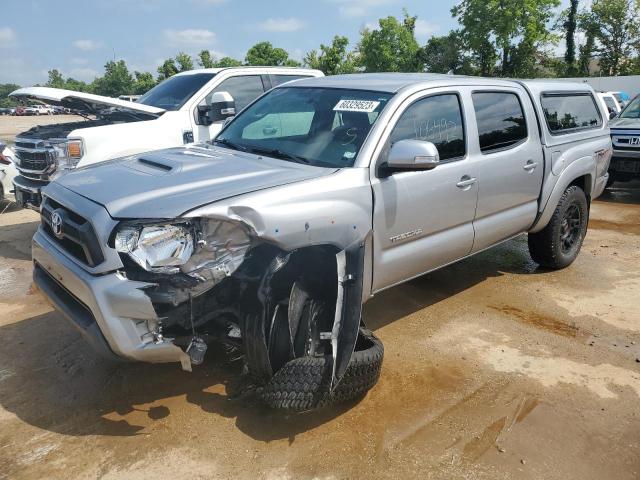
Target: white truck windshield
column 175, row 91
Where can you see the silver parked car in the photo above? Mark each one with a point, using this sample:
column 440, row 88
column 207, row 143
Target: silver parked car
column 317, row 196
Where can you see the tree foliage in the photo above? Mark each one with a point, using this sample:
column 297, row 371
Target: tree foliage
column 264, row 53
column 616, row 29
column 332, row 59
column 116, row 80
column 390, row 48
column 506, row 37
column 446, row 54
column 144, row 82
column 5, row 90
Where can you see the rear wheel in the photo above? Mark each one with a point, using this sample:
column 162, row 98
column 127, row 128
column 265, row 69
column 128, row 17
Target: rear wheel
column 558, row 244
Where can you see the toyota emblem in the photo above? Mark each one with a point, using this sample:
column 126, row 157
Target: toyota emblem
column 56, row 224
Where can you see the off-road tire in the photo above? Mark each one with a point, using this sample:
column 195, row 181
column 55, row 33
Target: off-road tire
column 303, row 383
column 546, row 246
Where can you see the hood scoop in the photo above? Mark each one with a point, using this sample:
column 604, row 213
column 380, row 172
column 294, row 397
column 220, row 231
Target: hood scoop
column 151, row 166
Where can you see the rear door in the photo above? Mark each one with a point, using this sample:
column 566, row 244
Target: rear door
column 510, row 164
column 424, row 219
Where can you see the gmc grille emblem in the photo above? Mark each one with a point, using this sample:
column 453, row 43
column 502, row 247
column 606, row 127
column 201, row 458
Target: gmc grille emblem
column 56, row 224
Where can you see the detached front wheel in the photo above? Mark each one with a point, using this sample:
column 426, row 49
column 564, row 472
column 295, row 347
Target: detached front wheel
column 302, row 384
column 557, row 245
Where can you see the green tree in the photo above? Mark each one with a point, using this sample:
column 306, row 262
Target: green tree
column 76, row 85
column 143, row 83
column 5, row 90
column 56, row 80
column 570, row 26
column 587, row 49
column 184, row 62
column 332, row 59
column 390, row 48
column 264, row 53
column 515, row 32
column 617, row 33
column 446, row 54
column 116, row 80
column 167, row 69
column 226, row 62
column 205, row 59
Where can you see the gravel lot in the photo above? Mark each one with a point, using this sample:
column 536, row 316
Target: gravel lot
column 493, row 369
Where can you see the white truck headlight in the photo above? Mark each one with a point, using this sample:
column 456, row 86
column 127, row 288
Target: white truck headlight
column 67, row 152
column 156, row 248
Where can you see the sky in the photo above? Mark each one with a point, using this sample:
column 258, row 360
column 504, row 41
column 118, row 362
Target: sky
column 79, row 36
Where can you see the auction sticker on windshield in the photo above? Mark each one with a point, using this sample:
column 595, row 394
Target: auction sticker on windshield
column 366, row 106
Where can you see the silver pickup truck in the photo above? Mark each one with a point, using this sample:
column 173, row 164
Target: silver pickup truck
column 319, row 195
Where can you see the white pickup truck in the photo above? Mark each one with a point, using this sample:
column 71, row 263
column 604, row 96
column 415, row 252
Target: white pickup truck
column 188, row 107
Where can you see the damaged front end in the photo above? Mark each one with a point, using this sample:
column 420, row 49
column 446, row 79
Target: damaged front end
column 215, row 279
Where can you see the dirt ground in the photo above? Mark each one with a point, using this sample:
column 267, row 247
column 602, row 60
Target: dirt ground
column 493, row 369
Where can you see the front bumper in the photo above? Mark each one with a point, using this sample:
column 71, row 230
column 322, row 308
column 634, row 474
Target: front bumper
column 625, row 162
column 28, row 192
column 113, row 313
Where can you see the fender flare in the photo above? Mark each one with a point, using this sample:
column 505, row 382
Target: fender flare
column 585, row 166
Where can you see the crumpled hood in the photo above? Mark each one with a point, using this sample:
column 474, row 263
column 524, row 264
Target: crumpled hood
column 167, row 183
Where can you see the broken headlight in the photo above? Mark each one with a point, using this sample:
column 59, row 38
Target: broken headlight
column 156, row 248
column 208, row 250
column 221, row 248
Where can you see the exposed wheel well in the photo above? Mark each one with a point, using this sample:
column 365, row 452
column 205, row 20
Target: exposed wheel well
column 584, row 182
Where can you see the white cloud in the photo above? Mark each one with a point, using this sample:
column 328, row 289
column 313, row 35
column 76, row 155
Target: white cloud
column 7, row 37
column 425, row 29
column 359, row 8
column 87, row 45
column 290, row 24
column 189, row 37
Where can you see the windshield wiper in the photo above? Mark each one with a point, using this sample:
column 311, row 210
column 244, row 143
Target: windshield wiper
column 229, row 144
column 276, row 152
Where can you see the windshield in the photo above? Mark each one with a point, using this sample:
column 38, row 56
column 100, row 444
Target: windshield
column 175, row 91
column 632, row 110
column 319, row 126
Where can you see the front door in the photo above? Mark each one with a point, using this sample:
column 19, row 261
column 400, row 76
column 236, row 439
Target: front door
column 423, row 220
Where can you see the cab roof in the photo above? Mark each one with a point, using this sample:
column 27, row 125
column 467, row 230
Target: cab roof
column 394, row 82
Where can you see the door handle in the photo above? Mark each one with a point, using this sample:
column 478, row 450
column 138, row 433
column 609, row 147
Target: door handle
column 530, row 166
column 466, row 181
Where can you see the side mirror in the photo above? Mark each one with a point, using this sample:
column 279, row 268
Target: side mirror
column 612, row 115
column 413, row 155
column 222, row 107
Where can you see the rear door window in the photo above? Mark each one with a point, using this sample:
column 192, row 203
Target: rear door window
column 501, row 121
column 244, row 89
column 569, row 112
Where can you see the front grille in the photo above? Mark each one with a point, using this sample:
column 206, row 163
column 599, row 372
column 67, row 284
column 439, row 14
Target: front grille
column 36, row 157
column 76, row 235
